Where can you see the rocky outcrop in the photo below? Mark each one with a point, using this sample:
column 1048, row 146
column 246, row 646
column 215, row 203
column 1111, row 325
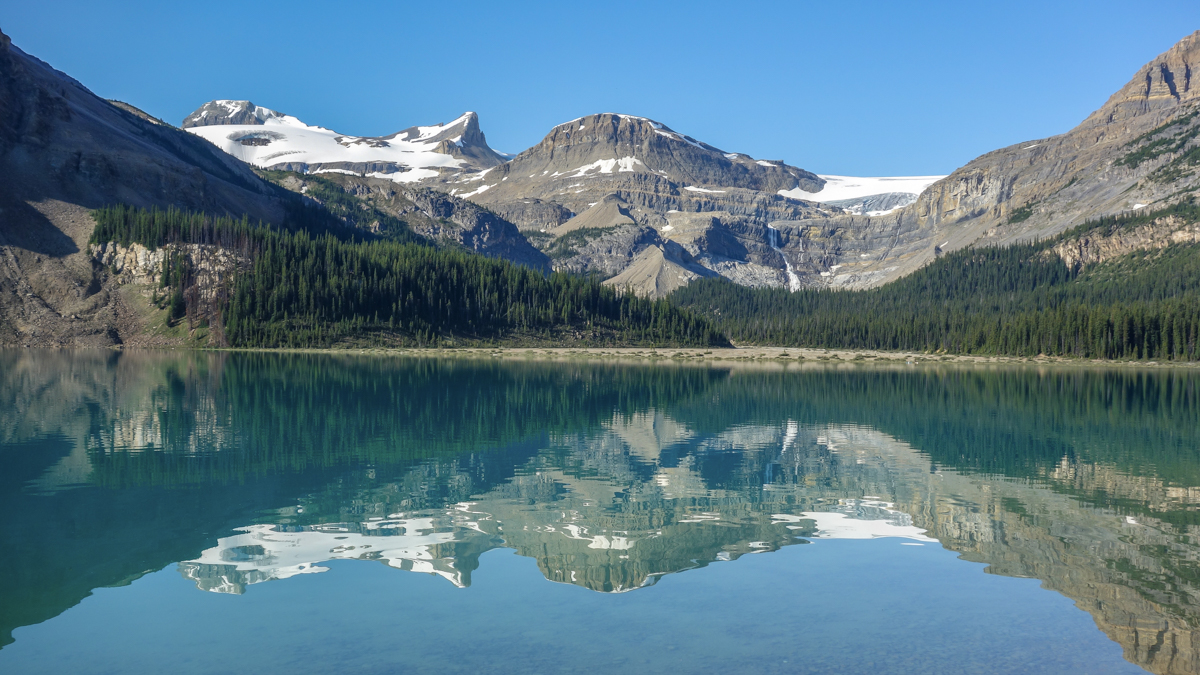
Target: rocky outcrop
column 1098, row 247
column 205, row 285
column 228, row 112
column 211, row 268
column 533, row 214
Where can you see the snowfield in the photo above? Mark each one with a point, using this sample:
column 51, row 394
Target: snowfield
column 284, row 139
column 852, row 187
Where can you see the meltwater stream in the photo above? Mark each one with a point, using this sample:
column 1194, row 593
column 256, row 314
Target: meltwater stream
column 793, row 278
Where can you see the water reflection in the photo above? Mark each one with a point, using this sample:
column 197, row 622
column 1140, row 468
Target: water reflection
column 610, row 477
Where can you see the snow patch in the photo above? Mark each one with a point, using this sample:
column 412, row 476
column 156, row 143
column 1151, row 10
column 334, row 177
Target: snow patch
column 410, row 176
column 481, row 190
column 697, row 189
column 345, row 171
column 622, row 165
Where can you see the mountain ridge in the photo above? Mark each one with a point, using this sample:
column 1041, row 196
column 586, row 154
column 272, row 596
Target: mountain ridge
column 63, row 152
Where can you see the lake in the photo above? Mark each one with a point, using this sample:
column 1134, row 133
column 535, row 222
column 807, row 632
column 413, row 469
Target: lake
column 192, row 512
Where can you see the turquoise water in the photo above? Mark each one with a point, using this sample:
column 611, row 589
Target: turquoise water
column 207, row 513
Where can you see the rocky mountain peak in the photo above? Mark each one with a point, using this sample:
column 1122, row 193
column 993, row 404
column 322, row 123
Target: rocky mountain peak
column 642, row 145
column 461, row 138
column 229, row 112
column 1170, row 79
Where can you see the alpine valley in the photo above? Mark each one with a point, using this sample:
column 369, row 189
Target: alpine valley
column 119, row 228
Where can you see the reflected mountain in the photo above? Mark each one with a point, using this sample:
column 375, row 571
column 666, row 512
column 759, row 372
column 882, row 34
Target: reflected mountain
column 264, row 467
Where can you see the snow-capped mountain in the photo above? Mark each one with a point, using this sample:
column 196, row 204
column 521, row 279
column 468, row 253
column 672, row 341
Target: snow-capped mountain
column 684, row 208
column 270, row 139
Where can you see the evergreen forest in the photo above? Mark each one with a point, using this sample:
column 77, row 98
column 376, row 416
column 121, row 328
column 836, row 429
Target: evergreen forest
column 315, row 283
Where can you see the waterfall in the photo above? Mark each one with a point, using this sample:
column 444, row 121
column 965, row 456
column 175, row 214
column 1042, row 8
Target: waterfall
column 773, row 240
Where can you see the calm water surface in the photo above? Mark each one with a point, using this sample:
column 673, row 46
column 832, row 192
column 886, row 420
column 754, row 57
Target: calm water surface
column 213, row 513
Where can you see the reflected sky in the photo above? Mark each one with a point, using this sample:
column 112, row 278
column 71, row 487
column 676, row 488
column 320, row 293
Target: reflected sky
column 1002, row 501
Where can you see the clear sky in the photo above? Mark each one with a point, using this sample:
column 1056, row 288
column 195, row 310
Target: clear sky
column 837, row 87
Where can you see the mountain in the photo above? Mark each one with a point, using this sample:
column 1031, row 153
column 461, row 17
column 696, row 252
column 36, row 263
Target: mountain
column 1139, row 150
column 65, row 151
column 273, row 140
column 564, row 185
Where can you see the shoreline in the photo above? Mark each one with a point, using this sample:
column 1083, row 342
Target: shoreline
column 776, row 356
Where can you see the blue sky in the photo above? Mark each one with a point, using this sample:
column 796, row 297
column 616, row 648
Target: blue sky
column 856, row 88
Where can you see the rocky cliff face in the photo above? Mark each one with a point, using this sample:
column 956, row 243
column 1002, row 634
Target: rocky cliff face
column 139, row 271
column 65, row 151
column 1095, row 248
